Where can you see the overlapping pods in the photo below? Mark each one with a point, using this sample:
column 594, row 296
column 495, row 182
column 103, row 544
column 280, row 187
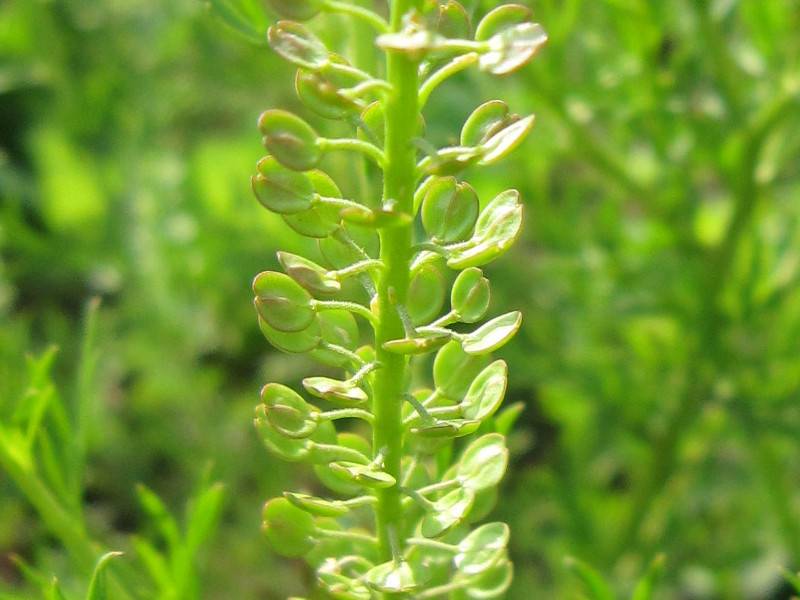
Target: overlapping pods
column 323, row 305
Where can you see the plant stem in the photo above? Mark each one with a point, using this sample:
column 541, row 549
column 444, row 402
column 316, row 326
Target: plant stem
column 400, row 114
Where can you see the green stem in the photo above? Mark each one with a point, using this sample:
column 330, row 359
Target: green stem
column 401, row 117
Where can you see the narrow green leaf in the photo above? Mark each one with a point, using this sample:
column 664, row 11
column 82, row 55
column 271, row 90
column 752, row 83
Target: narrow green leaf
column 597, row 587
column 97, row 585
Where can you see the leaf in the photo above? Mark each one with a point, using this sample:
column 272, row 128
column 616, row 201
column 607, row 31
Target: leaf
column 481, row 549
column 470, row 295
column 281, row 190
column 486, row 392
column 296, row 44
column 204, row 515
column 162, row 518
column 493, row 334
column 449, row 210
column 289, row 530
column 597, row 587
column 289, row 139
column 645, row 587
column 483, row 463
column 282, row 302
column 512, row 48
column 97, row 585
column 397, row 577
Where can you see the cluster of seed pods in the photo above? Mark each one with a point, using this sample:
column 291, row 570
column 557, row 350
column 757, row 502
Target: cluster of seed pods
column 407, row 463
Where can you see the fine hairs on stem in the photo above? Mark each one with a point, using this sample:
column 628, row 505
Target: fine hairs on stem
column 408, row 468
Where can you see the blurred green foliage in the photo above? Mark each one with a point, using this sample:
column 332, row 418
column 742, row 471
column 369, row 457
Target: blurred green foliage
column 659, row 359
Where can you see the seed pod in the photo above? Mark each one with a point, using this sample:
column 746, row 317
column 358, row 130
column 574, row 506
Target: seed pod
column 289, row 139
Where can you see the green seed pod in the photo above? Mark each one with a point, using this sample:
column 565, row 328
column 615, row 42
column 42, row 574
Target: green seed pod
column 449, row 210
column 289, row 139
column 297, row 45
column 296, row 342
column 282, row 302
column 320, row 220
column 481, row 549
column 309, row 274
column 287, row 412
column 302, row 10
column 470, row 295
column 317, row 506
column 498, row 226
column 290, row 531
column 324, row 91
column 454, row 370
column 483, row 463
column 426, row 294
column 501, row 18
column 504, row 140
column 491, row 584
column 396, row 577
column 447, row 512
column 448, row 20
column 333, row 390
column 337, row 328
column 492, row 335
column 485, row 392
column 486, row 120
column 281, row 190
column 512, row 48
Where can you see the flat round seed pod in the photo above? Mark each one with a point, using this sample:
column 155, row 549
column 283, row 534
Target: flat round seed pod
column 283, row 303
column 394, row 577
column 281, row 190
column 426, row 295
column 486, row 392
column 296, row 44
column 339, row 328
column 320, row 220
column 296, row 342
column 287, row 412
column 512, row 48
column 449, row 210
column 483, row 463
column 317, row 506
column 481, row 549
column 289, row 139
column 299, row 10
column 500, row 19
column 485, row 121
column 447, row 512
column 493, row 334
column 454, row 370
column 470, row 295
column 289, row 530
column 309, row 274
